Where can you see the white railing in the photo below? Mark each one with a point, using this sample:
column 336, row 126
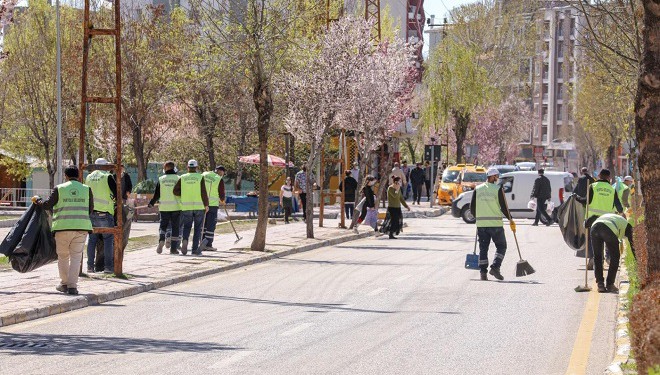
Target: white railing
column 17, row 197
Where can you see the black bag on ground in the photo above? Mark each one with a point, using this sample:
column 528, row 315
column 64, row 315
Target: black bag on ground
column 30, row 244
column 387, row 223
column 127, row 215
column 570, row 216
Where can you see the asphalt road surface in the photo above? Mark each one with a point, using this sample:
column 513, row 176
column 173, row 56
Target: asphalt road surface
column 374, row 306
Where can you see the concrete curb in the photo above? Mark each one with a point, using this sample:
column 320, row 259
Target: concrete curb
column 622, row 355
column 85, row 300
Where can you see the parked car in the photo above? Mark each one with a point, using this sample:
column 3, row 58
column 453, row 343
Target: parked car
column 517, row 189
column 505, row 168
column 448, row 187
column 470, row 177
column 526, row 166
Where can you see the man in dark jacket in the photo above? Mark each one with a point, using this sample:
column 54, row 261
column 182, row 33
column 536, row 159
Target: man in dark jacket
column 542, row 192
column 417, row 181
column 584, row 181
column 349, row 195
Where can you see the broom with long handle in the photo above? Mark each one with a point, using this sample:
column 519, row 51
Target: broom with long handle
column 523, row 268
column 238, row 238
column 585, row 287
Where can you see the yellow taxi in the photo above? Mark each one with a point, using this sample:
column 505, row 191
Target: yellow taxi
column 448, row 188
column 470, row 177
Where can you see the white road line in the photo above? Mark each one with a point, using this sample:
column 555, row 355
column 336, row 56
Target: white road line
column 377, row 291
column 404, row 277
column 231, row 359
column 297, row 329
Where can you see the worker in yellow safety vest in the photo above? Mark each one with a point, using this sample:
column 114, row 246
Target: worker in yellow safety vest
column 194, row 205
column 169, row 208
column 215, row 186
column 104, row 187
column 609, row 229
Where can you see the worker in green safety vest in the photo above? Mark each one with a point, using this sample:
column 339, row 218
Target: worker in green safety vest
column 194, row 205
column 487, row 206
column 216, row 189
column 609, row 229
column 104, row 187
column 169, row 208
column 603, row 199
column 71, row 203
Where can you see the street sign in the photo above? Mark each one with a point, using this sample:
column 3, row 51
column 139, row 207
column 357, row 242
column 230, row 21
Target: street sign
column 432, row 153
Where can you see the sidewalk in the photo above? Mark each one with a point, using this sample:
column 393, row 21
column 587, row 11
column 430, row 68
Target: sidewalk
column 32, row 295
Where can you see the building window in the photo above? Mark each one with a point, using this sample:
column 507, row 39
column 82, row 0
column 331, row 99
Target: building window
column 545, row 91
column 544, row 134
column 560, row 70
column 560, row 49
column 560, row 112
column 546, row 68
column 560, row 91
column 546, row 29
column 573, row 26
column 544, row 114
column 560, row 28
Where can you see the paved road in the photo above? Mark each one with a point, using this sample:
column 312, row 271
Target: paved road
column 374, row 306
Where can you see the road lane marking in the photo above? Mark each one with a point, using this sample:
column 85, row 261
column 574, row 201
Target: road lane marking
column 377, row 291
column 297, row 329
column 231, row 359
column 582, row 347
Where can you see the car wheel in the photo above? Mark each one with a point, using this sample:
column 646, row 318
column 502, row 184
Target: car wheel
column 467, row 216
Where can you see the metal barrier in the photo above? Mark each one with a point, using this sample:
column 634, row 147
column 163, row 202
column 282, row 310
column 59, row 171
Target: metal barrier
column 17, row 197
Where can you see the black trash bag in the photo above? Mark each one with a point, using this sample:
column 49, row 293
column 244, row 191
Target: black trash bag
column 36, row 247
column 387, row 224
column 99, row 260
column 570, row 216
column 15, row 235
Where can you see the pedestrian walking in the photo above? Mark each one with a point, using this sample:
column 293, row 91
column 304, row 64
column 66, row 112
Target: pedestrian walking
column 428, row 176
column 215, row 187
column 583, row 182
column 542, row 191
column 417, row 181
column 169, row 208
column 624, row 189
column 300, row 184
column 351, row 185
column 407, row 188
column 72, row 203
column 487, row 206
column 397, row 172
column 369, row 200
column 194, row 205
column 394, row 202
column 286, row 199
column 609, row 229
column 104, row 189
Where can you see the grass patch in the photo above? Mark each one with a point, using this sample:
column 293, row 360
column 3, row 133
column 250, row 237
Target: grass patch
column 9, row 217
column 4, row 259
column 633, row 277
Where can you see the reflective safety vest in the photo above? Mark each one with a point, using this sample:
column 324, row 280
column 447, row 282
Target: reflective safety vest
column 168, row 201
column 616, row 223
column 191, row 192
column 603, row 200
column 488, row 213
column 212, row 181
column 103, row 200
column 71, row 212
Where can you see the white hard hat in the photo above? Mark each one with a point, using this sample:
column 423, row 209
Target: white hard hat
column 492, row 172
column 192, row 163
column 628, row 178
column 101, row 161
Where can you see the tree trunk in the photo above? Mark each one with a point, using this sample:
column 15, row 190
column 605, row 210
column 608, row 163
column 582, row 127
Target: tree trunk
column 263, row 103
column 644, row 311
column 609, row 162
column 411, row 150
column 138, row 152
column 210, row 149
column 309, row 209
column 462, row 121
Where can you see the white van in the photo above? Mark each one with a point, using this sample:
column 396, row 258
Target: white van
column 517, row 188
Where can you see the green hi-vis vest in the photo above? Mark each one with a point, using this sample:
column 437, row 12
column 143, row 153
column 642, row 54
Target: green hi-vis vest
column 71, row 212
column 616, row 223
column 212, row 181
column 489, row 213
column 168, row 201
column 103, row 200
column 191, row 192
column 603, row 200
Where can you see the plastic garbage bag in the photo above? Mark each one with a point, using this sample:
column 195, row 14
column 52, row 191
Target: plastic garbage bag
column 571, row 223
column 549, row 207
column 532, row 204
column 30, row 243
column 371, row 219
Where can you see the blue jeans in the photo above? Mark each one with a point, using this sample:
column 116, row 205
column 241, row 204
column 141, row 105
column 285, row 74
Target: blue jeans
column 485, row 235
column 169, row 224
column 209, row 225
column 101, row 220
column 187, row 219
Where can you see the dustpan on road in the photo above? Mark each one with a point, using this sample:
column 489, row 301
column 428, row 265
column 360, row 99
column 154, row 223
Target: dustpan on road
column 472, row 260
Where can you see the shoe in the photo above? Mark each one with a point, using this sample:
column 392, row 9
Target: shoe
column 601, row 288
column 90, row 270
column 355, row 230
column 209, row 248
column 484, row 276
column 392, row 237
column 549, row 223
column 108, row 271
column 184, row 247
column 168, row 242
column 287, row 222
column 72, row 291
column 496, row 273
column 198, row 253
column 159, row 249
column 590, row 264
column 61, row 288
column 611, row 288
column 535, row 224
column 174, row 252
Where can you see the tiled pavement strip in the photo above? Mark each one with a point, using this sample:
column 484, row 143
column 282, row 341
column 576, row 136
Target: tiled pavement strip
column 32, row 295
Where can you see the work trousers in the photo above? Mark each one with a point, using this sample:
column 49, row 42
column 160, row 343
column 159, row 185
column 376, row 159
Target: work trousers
column 102, row 220
column 485, row 235
column 170, row 222
column 600, row 236
column 209, row 226
column 70, row 245
column 188, row 218
column 417, row 191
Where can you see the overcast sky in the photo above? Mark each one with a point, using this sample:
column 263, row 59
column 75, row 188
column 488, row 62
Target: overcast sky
column 439, row 8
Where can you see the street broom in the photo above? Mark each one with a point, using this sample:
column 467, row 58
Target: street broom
column 585, row 287
column 523, row 268
column 238, row 238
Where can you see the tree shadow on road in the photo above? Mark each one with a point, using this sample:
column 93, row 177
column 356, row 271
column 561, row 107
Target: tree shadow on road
column 530, row 282
column 367, row 247
column 346, row 263
column 77, row 345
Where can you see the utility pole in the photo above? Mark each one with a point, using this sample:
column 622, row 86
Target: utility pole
column 58, row 63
